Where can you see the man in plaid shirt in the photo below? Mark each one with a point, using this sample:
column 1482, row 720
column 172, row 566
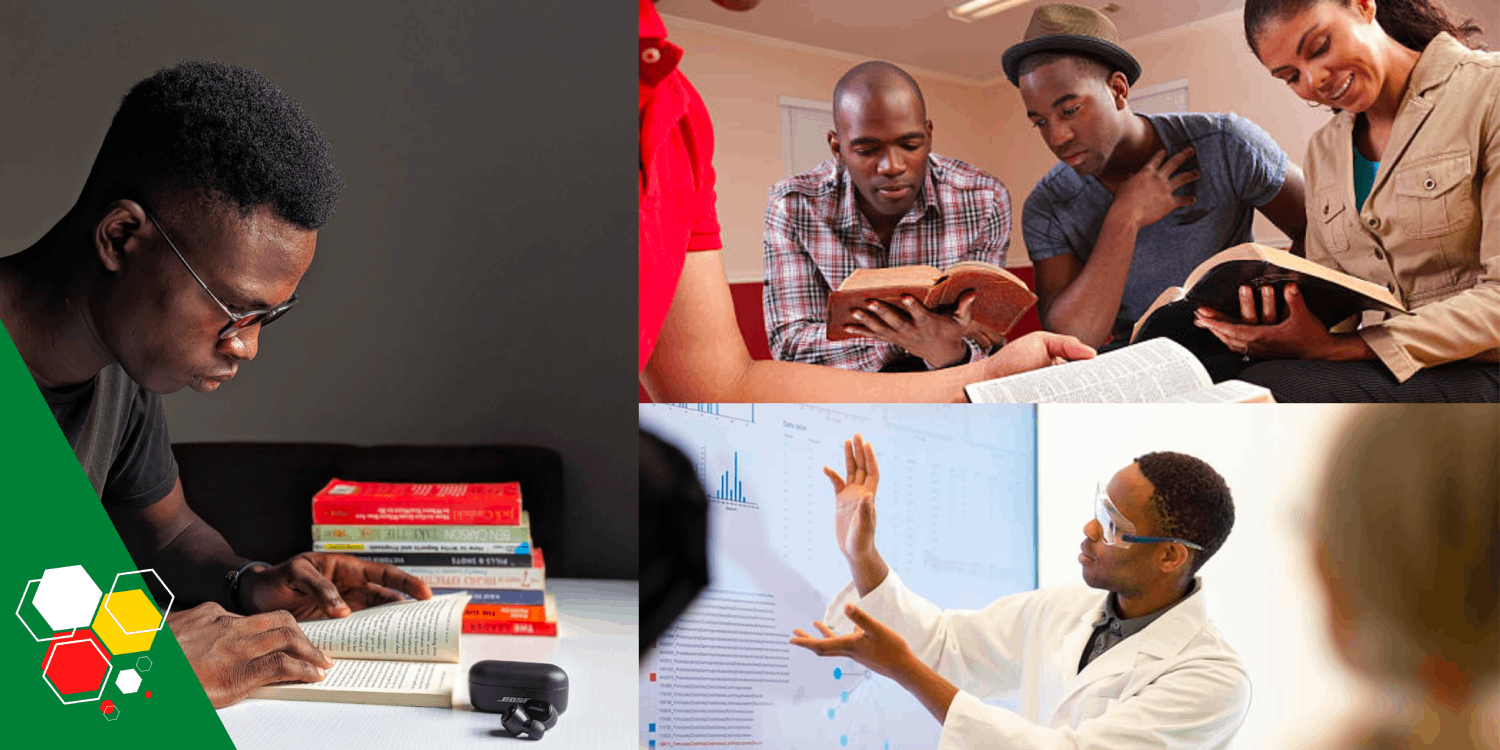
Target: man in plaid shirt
column 883, row 200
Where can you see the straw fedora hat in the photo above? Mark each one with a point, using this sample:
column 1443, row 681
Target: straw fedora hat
column 1069, row 28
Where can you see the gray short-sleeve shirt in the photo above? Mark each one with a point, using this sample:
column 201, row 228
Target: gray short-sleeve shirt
column 118, row 430
column 1242, row 168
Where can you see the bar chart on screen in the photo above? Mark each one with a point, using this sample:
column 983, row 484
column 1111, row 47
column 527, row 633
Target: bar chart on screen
column 957, row 520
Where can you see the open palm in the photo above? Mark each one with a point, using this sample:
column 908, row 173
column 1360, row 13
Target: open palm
column 854, row 498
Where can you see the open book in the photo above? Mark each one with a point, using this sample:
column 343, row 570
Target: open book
column 1002, row 297
column 401, row 654
column 1330, row 295
column 1159, row 370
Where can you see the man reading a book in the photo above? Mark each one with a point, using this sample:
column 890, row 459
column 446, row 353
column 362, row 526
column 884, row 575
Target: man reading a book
column 689, row 346
column 883, row 200
column 1136, row 201
column 192, row 231
column 1130, row 659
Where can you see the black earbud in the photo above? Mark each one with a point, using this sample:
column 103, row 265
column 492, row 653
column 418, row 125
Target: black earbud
column 529, row 697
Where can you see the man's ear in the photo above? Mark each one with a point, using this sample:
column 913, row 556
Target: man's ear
column 119, row 233
column 1175, row 558
column 929, row 131
column 833, row 145
column 1119, row 89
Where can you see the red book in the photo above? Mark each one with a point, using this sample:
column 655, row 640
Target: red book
column 506, row 612
column 476, row 623
column 382, row 503
column 495, row 627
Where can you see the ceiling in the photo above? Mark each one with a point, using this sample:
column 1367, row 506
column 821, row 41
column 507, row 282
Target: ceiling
column 919, row 33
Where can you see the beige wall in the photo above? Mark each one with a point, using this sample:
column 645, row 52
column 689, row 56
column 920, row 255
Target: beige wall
column 741, row 78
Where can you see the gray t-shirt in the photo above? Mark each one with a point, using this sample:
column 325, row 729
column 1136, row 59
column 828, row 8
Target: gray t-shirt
column 1242, row 168
column 119, row 433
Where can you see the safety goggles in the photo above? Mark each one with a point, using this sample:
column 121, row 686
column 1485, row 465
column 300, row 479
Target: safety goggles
column 1119, row 531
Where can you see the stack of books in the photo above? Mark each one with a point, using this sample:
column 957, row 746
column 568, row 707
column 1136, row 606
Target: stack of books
column 455, row 537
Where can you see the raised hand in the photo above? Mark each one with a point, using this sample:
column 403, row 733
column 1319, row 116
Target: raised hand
column 1147, row 195
column 854, row 499
column 872, row 644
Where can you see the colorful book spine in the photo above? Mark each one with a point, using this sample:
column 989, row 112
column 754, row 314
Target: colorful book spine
column 531, row 598
column 347, row 503
column 448, row 534
column 450, row 577
column 440, row 559
column 492, row 627
column 505, row 613
column 397, row 548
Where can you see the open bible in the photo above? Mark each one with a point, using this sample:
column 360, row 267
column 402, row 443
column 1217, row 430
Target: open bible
column 400, row 654
column 1330, row 295
column 1159, row 370
column 1002, row 296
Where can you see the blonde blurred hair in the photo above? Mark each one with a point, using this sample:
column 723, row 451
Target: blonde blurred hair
column 1409, row 534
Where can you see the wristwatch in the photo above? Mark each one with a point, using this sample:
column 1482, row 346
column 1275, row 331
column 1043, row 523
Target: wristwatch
column 232, row 586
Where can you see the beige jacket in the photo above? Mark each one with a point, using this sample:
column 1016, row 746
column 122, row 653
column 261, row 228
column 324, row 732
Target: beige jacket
column 1430, row 230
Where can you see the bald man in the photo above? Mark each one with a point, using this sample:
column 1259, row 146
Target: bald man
column 883, row 200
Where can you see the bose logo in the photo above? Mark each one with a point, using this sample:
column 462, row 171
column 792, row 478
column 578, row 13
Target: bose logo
column 512, row 699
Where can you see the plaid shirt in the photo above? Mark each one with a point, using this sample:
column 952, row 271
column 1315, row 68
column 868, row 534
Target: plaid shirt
column 816, row 236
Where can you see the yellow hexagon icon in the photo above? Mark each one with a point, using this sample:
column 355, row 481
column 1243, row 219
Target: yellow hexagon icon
column 134, row 624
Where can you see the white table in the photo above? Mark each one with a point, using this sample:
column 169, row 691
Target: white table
column 596, row 645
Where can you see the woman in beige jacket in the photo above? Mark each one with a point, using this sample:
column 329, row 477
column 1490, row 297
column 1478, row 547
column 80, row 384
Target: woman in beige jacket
column 1403, row 189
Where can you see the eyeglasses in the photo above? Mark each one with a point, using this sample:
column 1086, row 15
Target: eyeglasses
column 1120, row 532
column 237, row 321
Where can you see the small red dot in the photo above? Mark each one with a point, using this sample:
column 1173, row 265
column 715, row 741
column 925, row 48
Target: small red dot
column 148, row 693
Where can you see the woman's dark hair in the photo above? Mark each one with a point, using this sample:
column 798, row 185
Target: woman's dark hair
column 1413, row 23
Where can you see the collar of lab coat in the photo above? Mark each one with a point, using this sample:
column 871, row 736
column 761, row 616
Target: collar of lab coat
column 1162, row 639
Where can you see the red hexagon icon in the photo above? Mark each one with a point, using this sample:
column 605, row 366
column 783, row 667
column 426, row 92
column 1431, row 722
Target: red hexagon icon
column 78, row 664
column 107, row 706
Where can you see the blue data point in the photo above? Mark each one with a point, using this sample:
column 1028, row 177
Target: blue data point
column 844, row 696
column 838, row 673
column 843, row 740
column 830, row 713
column 653, row 726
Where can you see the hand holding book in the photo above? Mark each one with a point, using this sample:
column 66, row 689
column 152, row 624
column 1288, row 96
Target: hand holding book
column 936, row 337
column 1297, row 335
column 233, row 655
column 320, row 585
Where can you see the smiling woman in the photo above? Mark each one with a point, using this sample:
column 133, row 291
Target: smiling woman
column 1402, row 191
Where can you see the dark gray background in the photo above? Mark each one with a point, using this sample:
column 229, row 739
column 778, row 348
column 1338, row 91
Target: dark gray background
column 476, row 283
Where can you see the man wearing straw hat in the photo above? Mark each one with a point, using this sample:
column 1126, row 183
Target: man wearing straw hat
column 1136, row 201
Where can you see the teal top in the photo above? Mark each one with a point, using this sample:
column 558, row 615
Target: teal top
column 1364, row 177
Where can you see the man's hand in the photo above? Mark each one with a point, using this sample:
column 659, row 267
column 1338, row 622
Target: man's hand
column 318, row 585
column 1147, row 195
column 1033, row 351
column 1300, row 336
column 234, row 655
column 872, row 644
column 854, row 499
column 938, row 339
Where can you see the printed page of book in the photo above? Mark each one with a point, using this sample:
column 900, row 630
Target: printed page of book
column 1140, row 373
column 1227, row 392
column 378, row 682
column 408, row 631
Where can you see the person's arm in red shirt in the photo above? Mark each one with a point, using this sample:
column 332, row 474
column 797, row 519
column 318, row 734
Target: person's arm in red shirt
column 700, row 357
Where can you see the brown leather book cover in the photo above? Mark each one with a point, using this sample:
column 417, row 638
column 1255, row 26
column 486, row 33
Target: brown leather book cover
column 1003, row 297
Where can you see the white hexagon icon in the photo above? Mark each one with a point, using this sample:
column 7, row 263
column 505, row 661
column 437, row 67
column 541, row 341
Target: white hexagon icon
column 67, row 598
column 129, row 681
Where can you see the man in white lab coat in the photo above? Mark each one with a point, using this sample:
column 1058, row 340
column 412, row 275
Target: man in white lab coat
column 1129, row 660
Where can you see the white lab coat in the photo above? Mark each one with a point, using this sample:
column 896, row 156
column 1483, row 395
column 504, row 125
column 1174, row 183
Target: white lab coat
column 1175, row 684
